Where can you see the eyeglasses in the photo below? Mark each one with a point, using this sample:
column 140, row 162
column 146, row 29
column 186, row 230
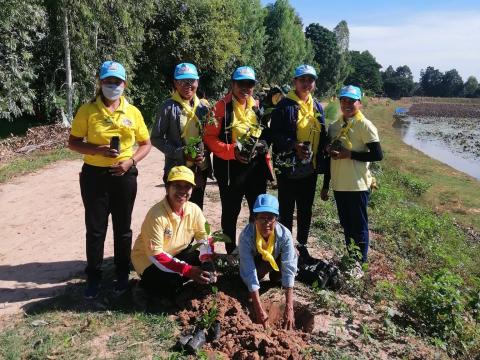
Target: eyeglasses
column 246, row 83
column 266, row 219
column 187, row 82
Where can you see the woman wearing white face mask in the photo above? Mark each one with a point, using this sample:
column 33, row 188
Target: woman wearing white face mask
column 105, row 131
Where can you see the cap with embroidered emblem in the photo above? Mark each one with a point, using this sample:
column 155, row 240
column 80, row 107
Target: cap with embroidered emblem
column 305, row 69
column 266, row 203
column 185, row 71
column 244, row 73
column 181, row 173
column 350, row 91
column 112, row 68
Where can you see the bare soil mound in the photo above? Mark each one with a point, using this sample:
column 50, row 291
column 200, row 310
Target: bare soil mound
column 241, row 337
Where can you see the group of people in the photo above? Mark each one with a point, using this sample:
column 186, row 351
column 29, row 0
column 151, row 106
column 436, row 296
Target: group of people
column 231, row 142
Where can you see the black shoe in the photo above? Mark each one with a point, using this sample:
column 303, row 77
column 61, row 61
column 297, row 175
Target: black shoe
column 92, row 290
column 121, row 285
column 304, row 256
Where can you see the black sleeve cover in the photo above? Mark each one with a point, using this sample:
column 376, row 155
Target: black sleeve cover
column 375, row 153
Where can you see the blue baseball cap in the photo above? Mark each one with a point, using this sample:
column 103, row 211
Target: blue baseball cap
column 350, row 91
column 185, row 71
column 112, row 68
column 244, row 73
column 305, row 69
column 266, row 203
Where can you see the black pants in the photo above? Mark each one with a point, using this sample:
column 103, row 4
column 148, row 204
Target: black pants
column 158, row 282
column 236, row 180
column 198, row 192
column 104, row 194
column 300, row 192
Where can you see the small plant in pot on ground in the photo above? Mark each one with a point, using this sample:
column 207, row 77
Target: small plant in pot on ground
column 207, row 328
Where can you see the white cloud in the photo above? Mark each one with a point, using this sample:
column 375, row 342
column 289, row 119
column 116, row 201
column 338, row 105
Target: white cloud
column 444, row 40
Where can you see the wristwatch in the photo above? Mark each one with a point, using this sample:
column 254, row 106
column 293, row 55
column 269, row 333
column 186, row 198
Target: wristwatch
column 133, row 161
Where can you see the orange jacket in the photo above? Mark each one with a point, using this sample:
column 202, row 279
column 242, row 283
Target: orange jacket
column 220, row 143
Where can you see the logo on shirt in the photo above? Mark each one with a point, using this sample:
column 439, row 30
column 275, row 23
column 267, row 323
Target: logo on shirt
column 167, row 234
column 127, row 122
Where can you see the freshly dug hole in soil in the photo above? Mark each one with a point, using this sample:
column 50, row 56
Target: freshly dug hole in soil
column 240, row 337
column 304, row 318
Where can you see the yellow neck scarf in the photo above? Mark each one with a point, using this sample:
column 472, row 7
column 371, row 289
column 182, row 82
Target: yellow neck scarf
column 189, row 122
column 266, row 248
column 344, row 134
column 244, row 119
column 308, row 127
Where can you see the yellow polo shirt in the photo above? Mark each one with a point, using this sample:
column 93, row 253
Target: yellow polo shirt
column 164, row 231
column 348, row 174
column 98, row 125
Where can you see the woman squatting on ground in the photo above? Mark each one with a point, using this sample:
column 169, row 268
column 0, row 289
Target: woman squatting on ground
column 266, row 247
column 162, row 254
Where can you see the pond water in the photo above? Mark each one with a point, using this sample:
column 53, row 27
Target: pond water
column 455, row 142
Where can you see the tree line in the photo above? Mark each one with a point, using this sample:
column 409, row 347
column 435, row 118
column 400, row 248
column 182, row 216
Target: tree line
column 50, row 51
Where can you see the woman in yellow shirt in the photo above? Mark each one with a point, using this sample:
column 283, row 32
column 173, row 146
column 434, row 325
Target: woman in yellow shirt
column 105, row 131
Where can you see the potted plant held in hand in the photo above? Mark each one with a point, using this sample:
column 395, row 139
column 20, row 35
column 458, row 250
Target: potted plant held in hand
column 249, row 144
column 194, row 149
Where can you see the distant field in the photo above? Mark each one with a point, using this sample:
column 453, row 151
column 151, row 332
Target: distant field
column 439, row 109
column 423, row 99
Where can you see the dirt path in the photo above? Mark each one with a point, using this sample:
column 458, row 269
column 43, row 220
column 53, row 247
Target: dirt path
column 42, row 238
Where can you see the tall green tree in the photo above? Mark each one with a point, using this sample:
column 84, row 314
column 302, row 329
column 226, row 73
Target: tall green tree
column 452, row 84
column 286, row 45
column 251, row 31
column 343, row 40
column 388, row 73
column 431, row 81
column 398, row 83
column 22, row 26
column 98, row 30
column 205, row 33
column 470, row 86
column 365, row 72
column 327, row 56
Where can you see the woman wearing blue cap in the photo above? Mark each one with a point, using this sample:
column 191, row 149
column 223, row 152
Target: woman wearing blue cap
column 298, row 134
column 354, row 144
column 179, row 123
column 105, row 131
column 238, row 173
column 266, row 246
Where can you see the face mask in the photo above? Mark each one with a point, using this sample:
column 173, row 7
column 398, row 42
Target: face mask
column 112, row 91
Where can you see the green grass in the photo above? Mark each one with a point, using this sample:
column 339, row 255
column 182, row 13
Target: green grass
column 29, row 163
column 415, row 216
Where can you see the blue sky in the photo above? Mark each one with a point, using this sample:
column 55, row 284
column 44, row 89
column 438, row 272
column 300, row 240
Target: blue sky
column 443, row 34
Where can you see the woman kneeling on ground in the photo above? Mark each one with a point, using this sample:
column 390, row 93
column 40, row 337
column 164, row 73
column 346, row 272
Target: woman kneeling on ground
column 261, row 245
column 162, row 254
